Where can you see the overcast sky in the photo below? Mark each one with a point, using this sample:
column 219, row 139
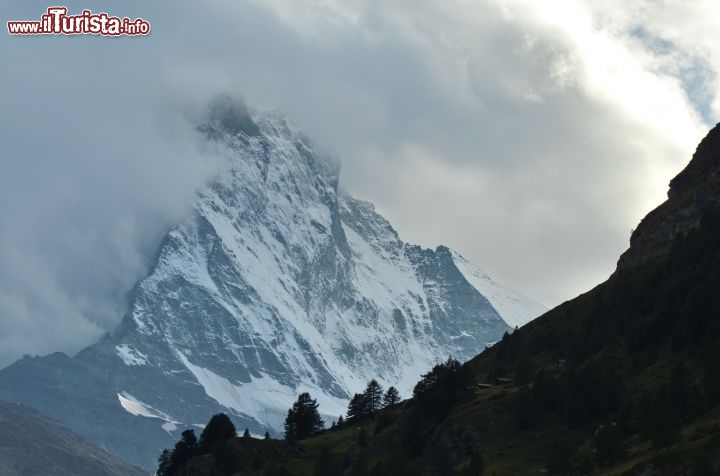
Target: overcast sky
column 531, row 136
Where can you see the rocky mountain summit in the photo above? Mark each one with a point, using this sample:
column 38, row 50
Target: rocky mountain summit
column 275, row 283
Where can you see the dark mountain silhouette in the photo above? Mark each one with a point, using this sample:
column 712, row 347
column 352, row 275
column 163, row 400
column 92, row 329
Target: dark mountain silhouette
column 33, row 444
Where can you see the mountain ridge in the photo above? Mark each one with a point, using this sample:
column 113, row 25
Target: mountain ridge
column 274, row 283
column 32, row 444
column 692, row 192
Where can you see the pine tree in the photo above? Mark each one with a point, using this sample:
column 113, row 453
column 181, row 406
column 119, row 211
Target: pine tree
column 303, row 419
column 356, row 407
column 218, row 430
column 391, row 397
column 267, row 435
column 373, row 397
column 188, row 438
column 340, row 420
column 171, row 462
column 164, row 462
column 290, row 425
column 439, row 389
column 246, row 434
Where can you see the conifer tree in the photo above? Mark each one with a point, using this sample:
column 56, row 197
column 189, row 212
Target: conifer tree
column 391, row 397
column 290, row 425
column 373, row 397
column 171, row 462
column 218, row 430
column 164, row 462
column 303, row 419
column 356, row 407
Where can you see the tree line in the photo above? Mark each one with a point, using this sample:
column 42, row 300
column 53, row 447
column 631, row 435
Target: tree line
column 434, row 393
column 372, row 400
column 213, row 438
column 303, row 418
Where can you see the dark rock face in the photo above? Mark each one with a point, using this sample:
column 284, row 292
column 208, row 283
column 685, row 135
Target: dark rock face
column 692, row 193
column 273, row 285
column 32, row 444
column 704, row 166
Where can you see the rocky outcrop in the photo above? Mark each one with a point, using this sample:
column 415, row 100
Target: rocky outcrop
column 692, row 193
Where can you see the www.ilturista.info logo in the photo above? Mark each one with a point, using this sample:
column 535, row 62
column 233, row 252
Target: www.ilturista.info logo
column 57, row 22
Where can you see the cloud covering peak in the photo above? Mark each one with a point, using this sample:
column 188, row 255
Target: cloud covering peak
column 529, row 136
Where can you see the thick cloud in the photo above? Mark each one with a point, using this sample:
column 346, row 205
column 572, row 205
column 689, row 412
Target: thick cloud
column 528, row 135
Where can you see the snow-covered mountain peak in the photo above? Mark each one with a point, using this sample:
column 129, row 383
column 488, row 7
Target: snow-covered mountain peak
column 273, row 284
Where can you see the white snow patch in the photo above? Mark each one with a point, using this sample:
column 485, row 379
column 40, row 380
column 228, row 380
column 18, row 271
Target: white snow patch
column 263, row 398
column 387, row 279
column 169, row 427
column 136, row 407
column 514, row 309
column 131, row 356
